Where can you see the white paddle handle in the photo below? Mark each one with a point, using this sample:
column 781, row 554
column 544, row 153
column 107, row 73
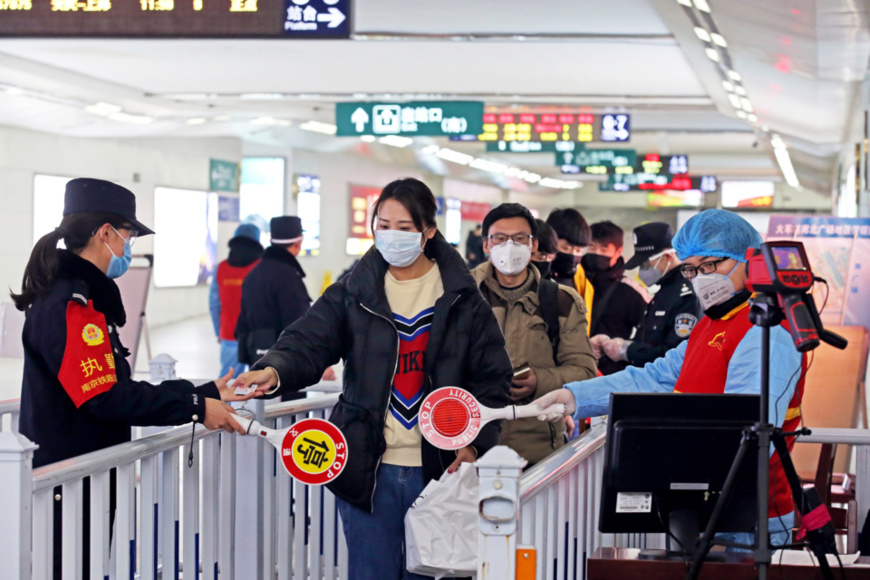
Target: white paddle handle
column 532, row 410
column 249, row 425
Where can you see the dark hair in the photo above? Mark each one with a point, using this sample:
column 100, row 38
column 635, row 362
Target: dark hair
column 607, row 233
column 506, row 211
column 76, row 230
column 415, row 196
column 569, row 224
column 547, row 241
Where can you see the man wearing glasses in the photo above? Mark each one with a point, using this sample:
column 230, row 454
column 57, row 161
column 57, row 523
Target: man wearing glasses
column 544, row 325
column 722, row 354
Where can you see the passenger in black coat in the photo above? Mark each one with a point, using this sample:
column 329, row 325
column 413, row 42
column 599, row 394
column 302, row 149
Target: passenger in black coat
column 273, row 293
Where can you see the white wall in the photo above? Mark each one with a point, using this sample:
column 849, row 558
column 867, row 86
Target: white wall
column 181, row 163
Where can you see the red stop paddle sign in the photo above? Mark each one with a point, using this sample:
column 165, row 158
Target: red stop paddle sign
column 312, row 451
column 451, row 418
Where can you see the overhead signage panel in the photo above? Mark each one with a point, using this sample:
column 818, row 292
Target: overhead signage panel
column 532, row 146
column 552, row 127
column 641, row 181
column 303, row 19
column 596, row 161
column 430, row 118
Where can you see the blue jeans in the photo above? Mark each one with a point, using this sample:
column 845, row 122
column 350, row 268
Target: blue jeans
column 779, row 535
column 230, row 358
column 376, row 541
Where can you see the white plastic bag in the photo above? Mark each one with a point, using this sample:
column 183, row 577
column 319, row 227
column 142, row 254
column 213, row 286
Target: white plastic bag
column 441, row 526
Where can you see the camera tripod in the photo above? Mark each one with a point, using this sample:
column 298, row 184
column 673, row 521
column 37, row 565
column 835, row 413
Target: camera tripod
column 766, row 313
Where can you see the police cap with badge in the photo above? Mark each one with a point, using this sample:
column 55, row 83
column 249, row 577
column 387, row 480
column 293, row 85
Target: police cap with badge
column 650, row 239
column 88, row 195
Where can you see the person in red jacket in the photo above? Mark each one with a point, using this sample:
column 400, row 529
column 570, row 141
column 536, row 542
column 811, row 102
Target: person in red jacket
column 225, row 295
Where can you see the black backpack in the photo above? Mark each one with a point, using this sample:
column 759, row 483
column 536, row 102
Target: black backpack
column 548, row 296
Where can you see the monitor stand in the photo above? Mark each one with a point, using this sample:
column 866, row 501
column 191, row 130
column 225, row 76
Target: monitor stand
column 685, row 526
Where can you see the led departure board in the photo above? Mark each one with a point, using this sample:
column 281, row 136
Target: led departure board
column 303, row 19
column 551, row 127
column 641, row 181
column 531, row 146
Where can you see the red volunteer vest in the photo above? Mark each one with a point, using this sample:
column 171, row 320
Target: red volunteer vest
column 229, row 281
column 705, row 368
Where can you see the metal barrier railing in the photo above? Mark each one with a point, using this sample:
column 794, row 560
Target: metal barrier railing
column 215, row 515
column 9, row 413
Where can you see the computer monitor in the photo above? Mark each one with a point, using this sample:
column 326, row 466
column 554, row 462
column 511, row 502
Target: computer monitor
column 667, row 458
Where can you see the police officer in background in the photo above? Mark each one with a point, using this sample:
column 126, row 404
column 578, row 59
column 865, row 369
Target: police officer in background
column 673, row 311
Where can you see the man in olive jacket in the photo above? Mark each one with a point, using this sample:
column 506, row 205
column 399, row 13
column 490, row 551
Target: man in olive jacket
column 523, row 304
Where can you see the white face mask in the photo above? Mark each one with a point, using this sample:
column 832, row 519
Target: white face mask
column 399, row 249
column 713, row 289
column 510, row 258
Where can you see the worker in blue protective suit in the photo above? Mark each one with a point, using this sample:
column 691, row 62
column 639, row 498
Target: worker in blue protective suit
column 723, row 353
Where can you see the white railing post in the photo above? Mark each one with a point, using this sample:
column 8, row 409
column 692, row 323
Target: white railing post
column 16, row 493
column 499, row 472
column 249, row 533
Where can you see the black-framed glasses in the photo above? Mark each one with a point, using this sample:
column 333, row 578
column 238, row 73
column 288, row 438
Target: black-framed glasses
column 690, row 272
column 521, row 238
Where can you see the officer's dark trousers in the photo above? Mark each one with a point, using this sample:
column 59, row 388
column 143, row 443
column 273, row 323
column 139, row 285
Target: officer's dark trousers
column 86, row 527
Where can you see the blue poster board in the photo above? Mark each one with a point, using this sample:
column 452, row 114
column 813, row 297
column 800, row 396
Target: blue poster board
column 839, row 252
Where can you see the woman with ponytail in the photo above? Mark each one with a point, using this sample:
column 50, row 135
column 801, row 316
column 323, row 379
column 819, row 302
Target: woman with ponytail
column 77, row 393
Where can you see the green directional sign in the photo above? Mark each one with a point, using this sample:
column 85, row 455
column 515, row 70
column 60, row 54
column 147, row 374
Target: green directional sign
column 430, row 118
column 606, row 158
column 223, row 175
column 532, row 146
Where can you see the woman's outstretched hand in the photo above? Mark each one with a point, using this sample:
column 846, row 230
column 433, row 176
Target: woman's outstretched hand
column 264, row 380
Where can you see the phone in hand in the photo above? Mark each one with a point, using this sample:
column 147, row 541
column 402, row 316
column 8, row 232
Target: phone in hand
column 522, row 372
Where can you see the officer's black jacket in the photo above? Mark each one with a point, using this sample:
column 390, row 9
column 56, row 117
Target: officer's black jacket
column 353, row 321
column 48, row 415
column 273, row 297
column 669, row 320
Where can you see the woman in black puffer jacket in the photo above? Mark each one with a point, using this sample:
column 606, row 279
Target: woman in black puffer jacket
column 408, row 319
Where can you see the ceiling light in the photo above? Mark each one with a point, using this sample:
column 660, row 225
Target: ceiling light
column 741, row 114
column 735, row 101
column 728, row 86
column 532, row 177
column 702, row 5
column 368, row 138
column 396, row 141
column 222, row 118
column 685, row 2
column 196, row 121
column 487, row 165
column 702, row 34
column 133, row 119
column 734, row 75
column 747, row 106
column 712, row 54
column 14, row 91
column 785, row 165
column 777, row 141
column 740, row 90
column 318, row 127
column 261, row 96
column 718, row 39
column 513, row 171
column 559, row 183
column 752, row 118
column 455, row 156
column 430, row 149
column 104, row 109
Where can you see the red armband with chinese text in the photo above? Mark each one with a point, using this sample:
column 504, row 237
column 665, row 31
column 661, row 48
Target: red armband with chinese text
column 88, row 367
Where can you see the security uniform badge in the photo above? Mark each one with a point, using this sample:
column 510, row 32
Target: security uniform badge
column 684, row 324
column 88, row 367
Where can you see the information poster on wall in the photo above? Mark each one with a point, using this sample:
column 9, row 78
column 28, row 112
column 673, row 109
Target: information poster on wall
column 307, row 189
column 360, row 236
column 839, row 252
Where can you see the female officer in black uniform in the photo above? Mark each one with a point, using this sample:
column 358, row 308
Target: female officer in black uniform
column 78, row 395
